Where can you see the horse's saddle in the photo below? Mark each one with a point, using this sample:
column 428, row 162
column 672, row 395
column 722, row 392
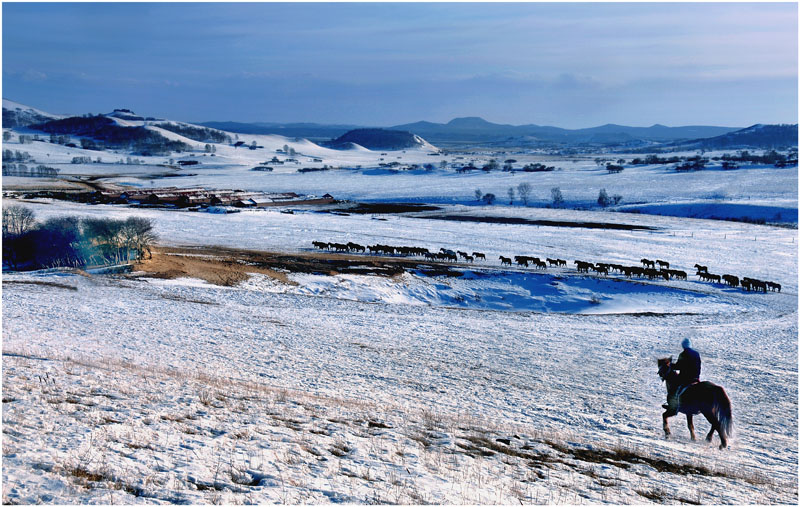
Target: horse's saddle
column 682, row 389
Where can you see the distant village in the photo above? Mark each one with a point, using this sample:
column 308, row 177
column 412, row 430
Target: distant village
column 202, row 198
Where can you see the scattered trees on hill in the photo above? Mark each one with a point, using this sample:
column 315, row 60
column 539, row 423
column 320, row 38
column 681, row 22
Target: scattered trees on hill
column 72, row 241
column 40, row 171
column 200, row 134
column 466, row 168
column 537, row 168
column 655, row 159
column 16, row 156
column 696, row 163
column 100, row 132
column 54, row 139
column 770, row 157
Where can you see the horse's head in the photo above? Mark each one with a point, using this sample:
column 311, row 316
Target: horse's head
column 664, row 367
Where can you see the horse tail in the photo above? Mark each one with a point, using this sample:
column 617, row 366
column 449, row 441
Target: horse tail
column 722, row 409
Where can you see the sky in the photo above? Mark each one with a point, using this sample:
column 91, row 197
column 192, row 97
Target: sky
column 569, row 65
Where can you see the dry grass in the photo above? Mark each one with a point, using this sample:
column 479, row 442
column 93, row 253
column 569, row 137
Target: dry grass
column 229, row 266
column 40, row 282
column 217, row 270
column 506, row 459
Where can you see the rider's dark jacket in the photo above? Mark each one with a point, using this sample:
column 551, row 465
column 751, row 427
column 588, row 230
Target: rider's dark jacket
column 688, row 366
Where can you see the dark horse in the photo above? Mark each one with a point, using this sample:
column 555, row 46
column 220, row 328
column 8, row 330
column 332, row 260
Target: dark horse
column 701, row 397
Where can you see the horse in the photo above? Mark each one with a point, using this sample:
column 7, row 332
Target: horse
column 701, row 397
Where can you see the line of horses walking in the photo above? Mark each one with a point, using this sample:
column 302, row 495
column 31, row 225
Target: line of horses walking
column 443, row 254
column 646, row 270
column 748, row 284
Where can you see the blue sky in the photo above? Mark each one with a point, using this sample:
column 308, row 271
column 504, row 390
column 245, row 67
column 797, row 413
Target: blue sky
column 562, row 64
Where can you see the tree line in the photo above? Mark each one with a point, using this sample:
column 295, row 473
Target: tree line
column 101, row 132
column 72, row 241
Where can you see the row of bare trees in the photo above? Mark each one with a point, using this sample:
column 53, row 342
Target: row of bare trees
column 72, row 241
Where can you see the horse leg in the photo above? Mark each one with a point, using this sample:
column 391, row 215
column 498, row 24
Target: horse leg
column 715, row 427
column 690, row 423
column 668, row 413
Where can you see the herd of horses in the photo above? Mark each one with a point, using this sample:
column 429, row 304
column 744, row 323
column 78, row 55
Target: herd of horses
column 406, row 251
column 650, row 269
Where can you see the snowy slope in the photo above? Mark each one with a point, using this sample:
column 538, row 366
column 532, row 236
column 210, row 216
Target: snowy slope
column 23, row 109
column 359, row 389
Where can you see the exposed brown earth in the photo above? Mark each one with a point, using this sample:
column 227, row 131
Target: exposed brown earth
column 228, row 266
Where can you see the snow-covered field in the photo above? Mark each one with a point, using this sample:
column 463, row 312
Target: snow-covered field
column 500, row 386
column 487, row 384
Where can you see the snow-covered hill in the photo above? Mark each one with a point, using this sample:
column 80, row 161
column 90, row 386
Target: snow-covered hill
column 20, row 115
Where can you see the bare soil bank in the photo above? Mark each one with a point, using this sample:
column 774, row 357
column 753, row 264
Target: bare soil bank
column 228, row 266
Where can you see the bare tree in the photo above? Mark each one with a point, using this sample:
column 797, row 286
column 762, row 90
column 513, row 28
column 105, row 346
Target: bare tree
column 17, row 220
column 478, row 194
column 524, row 191
column 510, row 195
column 137, row 235
column 558, row 198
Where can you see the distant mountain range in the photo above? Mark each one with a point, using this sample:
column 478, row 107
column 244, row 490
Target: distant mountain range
column 310, row 131
column 757, row 136
column 477, row 130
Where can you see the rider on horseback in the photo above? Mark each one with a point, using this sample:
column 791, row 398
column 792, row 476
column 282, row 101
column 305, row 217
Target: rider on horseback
column 688, row 367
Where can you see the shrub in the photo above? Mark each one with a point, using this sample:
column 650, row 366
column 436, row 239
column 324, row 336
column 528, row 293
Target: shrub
column 537, row 168
column 603, row 199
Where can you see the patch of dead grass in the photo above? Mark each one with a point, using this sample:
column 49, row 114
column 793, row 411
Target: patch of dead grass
column 216, row 270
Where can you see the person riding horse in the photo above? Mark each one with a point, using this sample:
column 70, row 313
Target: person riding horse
column 688, row 368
